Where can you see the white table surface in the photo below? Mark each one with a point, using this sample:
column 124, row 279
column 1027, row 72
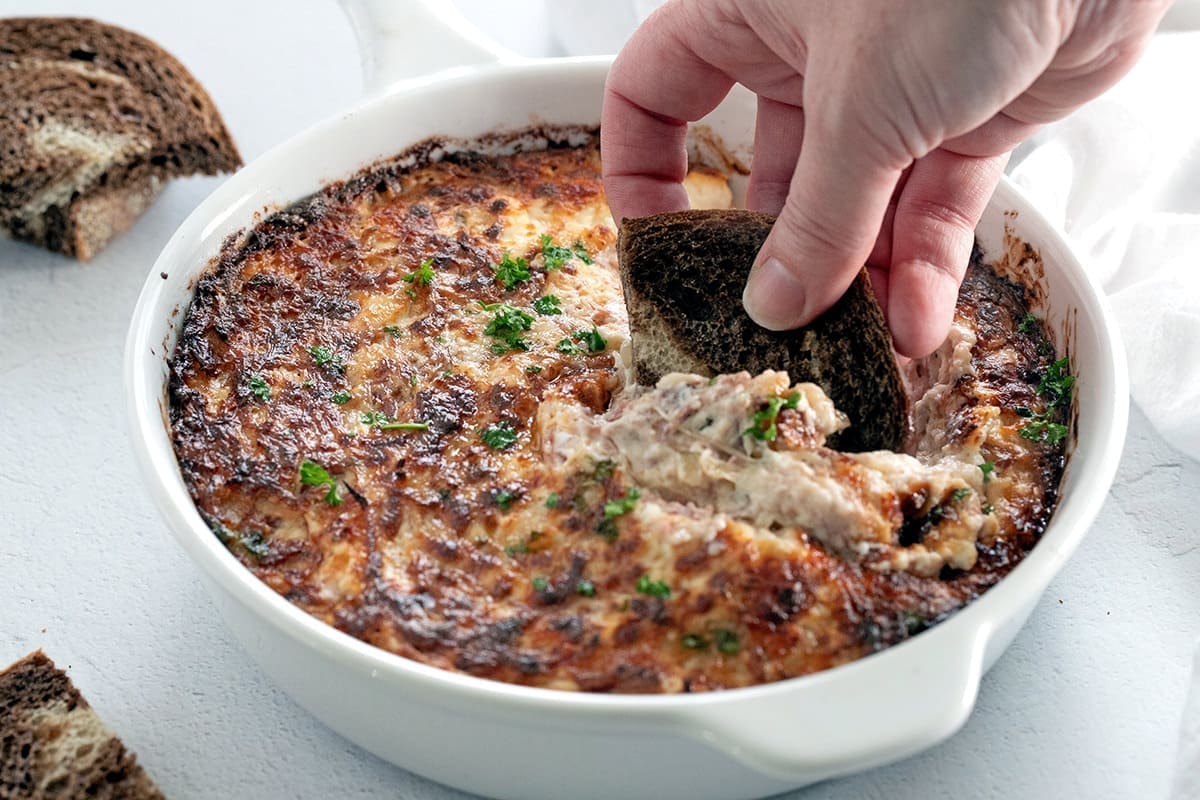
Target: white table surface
column 1086, row 703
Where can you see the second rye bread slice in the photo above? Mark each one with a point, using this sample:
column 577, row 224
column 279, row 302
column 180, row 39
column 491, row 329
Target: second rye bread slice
column 683, row 275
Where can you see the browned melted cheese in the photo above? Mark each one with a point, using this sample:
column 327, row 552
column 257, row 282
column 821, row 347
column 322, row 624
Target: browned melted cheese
column 499, row 562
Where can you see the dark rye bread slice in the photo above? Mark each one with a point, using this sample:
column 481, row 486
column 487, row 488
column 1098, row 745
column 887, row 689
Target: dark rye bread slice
column 683, row 275
column 53, row 745
column 96, row 119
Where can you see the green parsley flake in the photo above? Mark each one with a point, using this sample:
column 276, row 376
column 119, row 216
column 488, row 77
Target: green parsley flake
column 594, row 341
column 373, row 418
column 568, row 347
column 341, row 398
column 1056, row 384
column 585, row 588
column 259, row 387
column 554, row 256
column 503, row 498
column 987, row 468
column 313, row 474
column 988, row 508
column 394, row 330
column 511, row 271
column 552, row 500
column 617, row 508
column 1044, row 431
column 423, row 275
column 763, row 425
column 1028, row 323
column 540, row 584
column 652, row 587
column 694, row 641
column 581, row 252
column 323, row 355
column 547, row 306
column 498, row 436
column 534, row 370
column 404, row 426
column 727, row 641
column 960, row 494
column 507, row 325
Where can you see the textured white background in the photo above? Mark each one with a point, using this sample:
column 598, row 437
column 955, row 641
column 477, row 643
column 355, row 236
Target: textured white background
column 1086, row 703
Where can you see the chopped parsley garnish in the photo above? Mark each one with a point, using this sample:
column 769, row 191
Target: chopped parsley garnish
column 373, row 418
column 694, row 641
column 507, row 325
column 540, row 584
column 498, row 436
column 592, row 339
column 617, row 508
column 987, row 468
column 581, row 252
column 1056, row 384
column 313, row 474
column 1028, row 323
column 568, row 347
column 652, row 587
column 585, row 587
column 554, row 255
column 763, row 422
column 547, row 305
column 404, row 426
column 503, row 498
column 1045, row 431
column 394, row 330
column 552, row 500
column 960, row 494
column 988, row 508
column 254, row 544
column 341, row 398
column 534, row 370
column 512, row 549
column 422, row 275
column 323, row 355
column 602, row 470
column 511, row 271
column 259, row 387
column 727, row 641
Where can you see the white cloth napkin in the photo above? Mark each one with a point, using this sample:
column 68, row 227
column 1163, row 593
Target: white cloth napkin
column 1122, row 178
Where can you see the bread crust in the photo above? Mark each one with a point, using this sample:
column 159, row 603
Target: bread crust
column 97, row 118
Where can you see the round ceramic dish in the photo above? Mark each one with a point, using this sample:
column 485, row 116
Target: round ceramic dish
column 510, row 741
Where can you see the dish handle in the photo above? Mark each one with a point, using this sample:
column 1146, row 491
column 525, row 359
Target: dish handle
column 404, row 39
column 865, row 714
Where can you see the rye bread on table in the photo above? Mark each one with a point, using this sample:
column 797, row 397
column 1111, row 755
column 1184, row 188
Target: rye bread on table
column 53, row 745
column 96, row 120
column 683, row 275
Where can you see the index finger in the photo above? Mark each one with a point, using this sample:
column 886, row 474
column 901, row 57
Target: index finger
column 643, row 124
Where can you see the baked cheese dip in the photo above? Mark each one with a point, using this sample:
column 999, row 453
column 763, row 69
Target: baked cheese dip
column 403, row 404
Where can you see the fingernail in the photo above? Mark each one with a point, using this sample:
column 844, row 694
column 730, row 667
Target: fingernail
column 774, row 297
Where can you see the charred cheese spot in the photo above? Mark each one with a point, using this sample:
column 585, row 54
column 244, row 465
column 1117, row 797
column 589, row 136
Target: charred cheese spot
column 462, row 526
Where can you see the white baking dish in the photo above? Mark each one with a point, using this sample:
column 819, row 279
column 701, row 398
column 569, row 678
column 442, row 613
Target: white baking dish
column 516, row 742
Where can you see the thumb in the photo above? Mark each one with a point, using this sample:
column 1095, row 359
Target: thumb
column 822, row 237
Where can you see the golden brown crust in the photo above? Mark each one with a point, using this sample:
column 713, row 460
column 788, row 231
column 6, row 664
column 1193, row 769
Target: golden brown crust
column 500, row 562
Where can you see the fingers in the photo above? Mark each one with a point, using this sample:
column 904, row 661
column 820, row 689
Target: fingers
column 643, row 126
column 932, row 236
column 834, row 209
column 778, row 135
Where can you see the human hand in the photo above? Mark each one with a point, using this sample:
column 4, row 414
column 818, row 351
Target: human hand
column 883, row 128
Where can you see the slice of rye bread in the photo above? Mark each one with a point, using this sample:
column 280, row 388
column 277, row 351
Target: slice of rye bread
column 96, row 120
column 683, row 275
column 53, row 745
